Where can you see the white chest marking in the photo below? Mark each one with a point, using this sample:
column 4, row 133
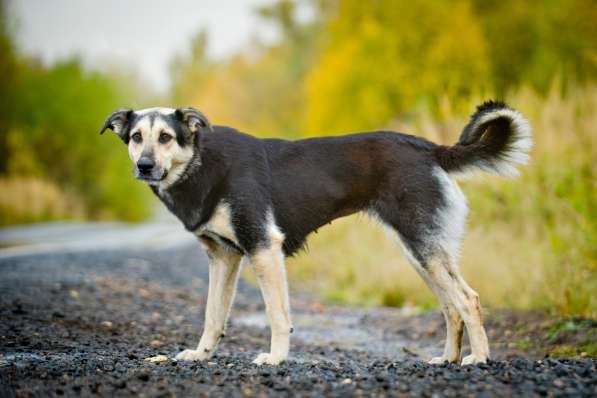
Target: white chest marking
column 220, row 223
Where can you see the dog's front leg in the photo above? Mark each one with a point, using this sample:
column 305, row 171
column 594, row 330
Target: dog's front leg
column 271, row 274
column 224, row 269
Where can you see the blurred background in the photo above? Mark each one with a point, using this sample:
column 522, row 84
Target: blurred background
column 312, row 67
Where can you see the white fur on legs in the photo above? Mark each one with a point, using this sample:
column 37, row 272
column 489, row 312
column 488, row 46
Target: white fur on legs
column 474, row 324
column 271, row 274
column 465, row 300
column 443, row 273
column 454, row 331
column 454, row 323
column 224, row 269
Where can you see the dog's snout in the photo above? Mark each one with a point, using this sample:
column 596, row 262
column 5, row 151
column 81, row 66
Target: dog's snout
column 145, row 165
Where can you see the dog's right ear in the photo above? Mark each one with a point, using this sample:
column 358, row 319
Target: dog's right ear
column 118, row 122
column 194, row 119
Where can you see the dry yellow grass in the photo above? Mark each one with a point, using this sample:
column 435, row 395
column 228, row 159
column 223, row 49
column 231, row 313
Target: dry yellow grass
column 28, row 199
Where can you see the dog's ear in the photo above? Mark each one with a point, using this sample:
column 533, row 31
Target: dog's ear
column 118, row 122
column 193, row 119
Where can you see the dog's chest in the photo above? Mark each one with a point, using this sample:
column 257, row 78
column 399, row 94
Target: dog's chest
column 219, row 226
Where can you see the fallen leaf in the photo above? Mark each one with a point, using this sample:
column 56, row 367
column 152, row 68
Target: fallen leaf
column 156, row 359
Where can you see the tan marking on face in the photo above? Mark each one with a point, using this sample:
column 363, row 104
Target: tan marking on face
column 168, row 156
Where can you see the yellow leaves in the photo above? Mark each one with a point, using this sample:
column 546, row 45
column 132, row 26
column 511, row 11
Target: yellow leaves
column 366, row 65
column 384, row 63
column 458, row 54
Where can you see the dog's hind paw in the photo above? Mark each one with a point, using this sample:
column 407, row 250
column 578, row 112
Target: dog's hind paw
column 473, row 359
column 268, row 359
column 192, row 355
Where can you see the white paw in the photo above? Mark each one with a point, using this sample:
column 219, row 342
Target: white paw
column 441, row 360
column 436, row 361
column 192, row 355
column 473, row 359
column 268, row 359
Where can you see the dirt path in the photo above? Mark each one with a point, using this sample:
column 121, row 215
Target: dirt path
column 80, row 321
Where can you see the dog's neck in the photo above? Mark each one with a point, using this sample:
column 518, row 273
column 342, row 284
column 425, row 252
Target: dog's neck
column 193, row 197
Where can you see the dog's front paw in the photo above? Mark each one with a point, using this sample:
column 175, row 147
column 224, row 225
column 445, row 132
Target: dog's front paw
column 440, row 360
column 473, row 359
column 192, row 355
column 268, row 359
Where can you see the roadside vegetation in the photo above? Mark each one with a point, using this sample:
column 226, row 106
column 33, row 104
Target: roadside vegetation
column 53, row 164
column 416, row 67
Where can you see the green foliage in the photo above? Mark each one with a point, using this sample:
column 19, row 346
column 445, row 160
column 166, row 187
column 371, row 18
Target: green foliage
column 532, row 41
column 386, row 58
column 49, row 131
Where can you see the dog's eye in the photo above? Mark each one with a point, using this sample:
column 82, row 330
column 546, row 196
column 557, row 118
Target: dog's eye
column 165, row 138
column 137, row 137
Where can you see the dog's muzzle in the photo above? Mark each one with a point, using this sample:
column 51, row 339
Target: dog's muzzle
column 146, row 170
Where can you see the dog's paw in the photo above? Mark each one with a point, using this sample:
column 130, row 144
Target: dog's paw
column 192, row 355
column 439, row 360
column 473, row 359
column 268, row 359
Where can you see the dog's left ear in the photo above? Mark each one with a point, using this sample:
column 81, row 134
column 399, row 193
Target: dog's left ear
column 118, row 122
column 194, row 119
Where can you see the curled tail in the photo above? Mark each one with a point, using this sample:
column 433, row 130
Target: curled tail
column 495, row 140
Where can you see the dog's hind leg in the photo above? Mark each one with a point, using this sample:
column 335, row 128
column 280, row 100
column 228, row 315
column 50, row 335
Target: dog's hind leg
column 465, row 300
column 452, row 317
column 224, row 266
column 430, row 223
column 454, row 325
column 442, row 265
column 454, row 332
column 460, row 304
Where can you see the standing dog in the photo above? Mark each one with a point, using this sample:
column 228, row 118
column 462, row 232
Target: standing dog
column 255, row 201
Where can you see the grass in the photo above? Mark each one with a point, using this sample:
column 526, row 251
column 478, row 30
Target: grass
column 531, row 241
column 31, row 199
column 563, row 338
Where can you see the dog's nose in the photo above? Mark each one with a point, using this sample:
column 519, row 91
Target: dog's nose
column 145, row 165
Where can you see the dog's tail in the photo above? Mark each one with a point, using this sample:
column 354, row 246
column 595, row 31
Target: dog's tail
column 496, row 139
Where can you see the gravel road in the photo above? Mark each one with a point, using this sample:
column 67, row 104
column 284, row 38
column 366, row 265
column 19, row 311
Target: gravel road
column 83, row 306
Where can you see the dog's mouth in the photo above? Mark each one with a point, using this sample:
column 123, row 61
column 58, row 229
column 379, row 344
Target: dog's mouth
column 152, row 180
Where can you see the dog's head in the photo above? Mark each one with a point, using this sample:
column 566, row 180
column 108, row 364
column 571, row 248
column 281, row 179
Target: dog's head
column 161, row 141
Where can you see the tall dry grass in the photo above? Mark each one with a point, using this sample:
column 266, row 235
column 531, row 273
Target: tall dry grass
column 32, row 199
column 531, row 241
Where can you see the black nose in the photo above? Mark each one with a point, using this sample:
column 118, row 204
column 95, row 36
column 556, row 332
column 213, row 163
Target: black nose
column 145, row 165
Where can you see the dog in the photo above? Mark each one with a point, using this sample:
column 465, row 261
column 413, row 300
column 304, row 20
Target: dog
column 255, row 201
